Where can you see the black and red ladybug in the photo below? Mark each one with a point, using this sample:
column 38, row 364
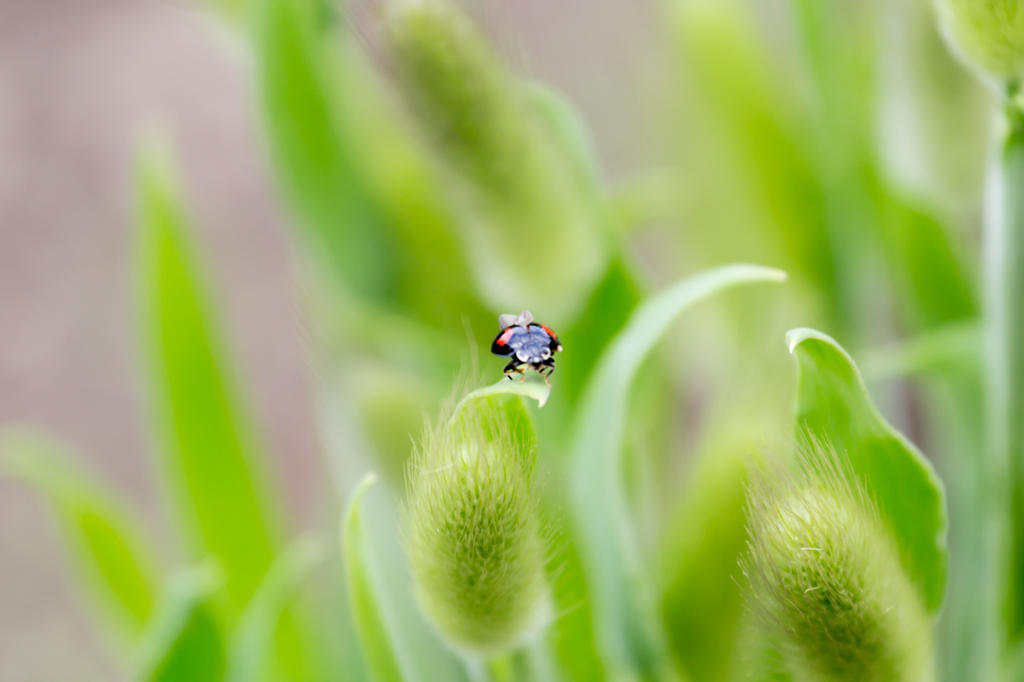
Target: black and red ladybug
column 528, row 344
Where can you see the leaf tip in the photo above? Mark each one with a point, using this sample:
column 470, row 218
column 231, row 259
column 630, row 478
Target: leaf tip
column 368, row 480
column 794, row 337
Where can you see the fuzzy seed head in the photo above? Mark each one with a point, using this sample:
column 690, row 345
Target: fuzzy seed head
column 474, row 536
column 988, row 34
column 458, row 88
column 826, row 578
column 512, row 174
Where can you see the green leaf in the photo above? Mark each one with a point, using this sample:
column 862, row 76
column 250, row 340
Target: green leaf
column 313, row 156
column 117, row 563
column 378, row 639
column 204, row 438
column 629, row 635
column 833, row 406
column 252, row 643
column 529, row 387
column 184, row 642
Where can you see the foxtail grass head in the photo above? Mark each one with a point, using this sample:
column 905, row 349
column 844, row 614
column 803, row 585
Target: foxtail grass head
column 458, row 89
column 826, row 578
column 527, row 202
column 988, row 35
column 473, row 533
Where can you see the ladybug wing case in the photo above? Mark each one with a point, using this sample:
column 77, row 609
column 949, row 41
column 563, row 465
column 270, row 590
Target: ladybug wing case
column 501, row 342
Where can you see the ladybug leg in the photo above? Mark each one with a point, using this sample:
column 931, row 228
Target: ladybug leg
column 511, row 369
column 546, row 368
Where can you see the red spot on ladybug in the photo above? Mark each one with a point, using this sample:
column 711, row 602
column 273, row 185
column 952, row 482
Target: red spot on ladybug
column 550, row 333
column 503, row 339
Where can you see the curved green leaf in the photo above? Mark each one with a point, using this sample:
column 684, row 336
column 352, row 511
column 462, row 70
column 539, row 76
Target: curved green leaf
column 252, row 644
column 184, row 641
column 378, row 640
column 833, row 406
column 529, row 387
column 205, row 443
column 112, row 555
column 630, row 637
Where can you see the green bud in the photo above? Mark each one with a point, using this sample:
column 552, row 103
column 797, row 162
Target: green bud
column 826, row 578
column 473, row 534
column 988, row 34
column 530, row 226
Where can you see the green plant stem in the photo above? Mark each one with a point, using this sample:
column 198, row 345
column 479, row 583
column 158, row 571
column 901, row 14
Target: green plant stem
column 1002, row 477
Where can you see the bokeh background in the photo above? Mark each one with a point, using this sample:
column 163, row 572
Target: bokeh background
column 741, row 135
column 79, row 79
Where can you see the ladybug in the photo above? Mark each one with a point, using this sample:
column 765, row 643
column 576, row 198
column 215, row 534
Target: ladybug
column 529, row 344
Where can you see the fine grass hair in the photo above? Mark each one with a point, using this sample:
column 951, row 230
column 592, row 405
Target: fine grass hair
column 825, row 576
column 988, row 34
column 473, row 532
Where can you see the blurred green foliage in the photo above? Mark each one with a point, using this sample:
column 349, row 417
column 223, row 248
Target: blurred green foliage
column 431, row 187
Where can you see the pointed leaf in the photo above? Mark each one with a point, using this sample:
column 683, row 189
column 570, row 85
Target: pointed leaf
column 112, row 555
column 629, row 633
column 184, row 641
column 205, row 443
column 833, row 405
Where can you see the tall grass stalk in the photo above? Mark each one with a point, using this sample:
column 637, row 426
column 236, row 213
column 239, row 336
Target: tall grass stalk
column 1002, row 479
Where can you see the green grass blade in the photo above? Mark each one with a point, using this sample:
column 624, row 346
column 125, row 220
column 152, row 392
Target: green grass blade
column 252, row 643
column 382, row 658
column 833, row 406
column 205, row 444
column 312, row 155
column 629, row 635
column 184, row 641
column 117, row 564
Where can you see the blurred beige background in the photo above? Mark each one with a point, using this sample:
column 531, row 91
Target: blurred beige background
column 78, row 79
